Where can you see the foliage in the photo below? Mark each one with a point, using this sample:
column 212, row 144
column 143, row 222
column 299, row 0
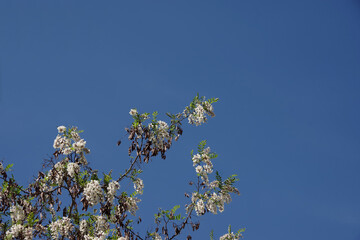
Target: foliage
column 69, row 200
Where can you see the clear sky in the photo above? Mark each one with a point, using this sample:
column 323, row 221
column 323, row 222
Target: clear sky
column 287, row 73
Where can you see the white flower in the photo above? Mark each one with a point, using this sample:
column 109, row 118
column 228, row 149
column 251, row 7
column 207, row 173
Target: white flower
column 72, row 169
column 205, row 178
column 156, row 236
column 57, row 173
column 199, row 169
column 225, row 197
column 111, row 190
column 208, row 169
column 196, row 159
column 28, row 233
column 75, row 136
column 61, row 129
column 133, row 112
column 67, row 151
column 207, row 150
column 229, row 236
column 138, row 185
column 101, row 225
column 131, row 205
column 195, row 196
column 79, row 145
column 84, row 226
column 214, row 184
column 200, row 207
column 198, row 116
column 15, row 231
column 61, row 142
column 209, row 108
column 61, row 226
column 93, row 192
column 17, row 213
column 159, row 133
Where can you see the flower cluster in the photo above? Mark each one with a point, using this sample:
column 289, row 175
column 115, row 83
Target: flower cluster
column 101, row 226
column 156, row 236
column 229, row 236
column 207, row 168
column 57, row 174
column 111, row 190
column 93, row 192
column 218, row 192
column 61, row 226
column 133, row 112
column 84, row 227
column 198, row 109
column 17, row 213
column 34, row 212
column 18, row 230
column 138, row 185
column 63, row 141
column 232, row 236
column 159, row 133
column 72, row 169
column 131, row 205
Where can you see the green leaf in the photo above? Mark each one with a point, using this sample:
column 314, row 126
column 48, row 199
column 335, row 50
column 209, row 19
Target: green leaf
column 8, row 167
column 212, row 235
column 201, row 146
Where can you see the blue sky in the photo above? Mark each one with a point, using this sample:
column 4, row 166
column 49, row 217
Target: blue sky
column 287, row 74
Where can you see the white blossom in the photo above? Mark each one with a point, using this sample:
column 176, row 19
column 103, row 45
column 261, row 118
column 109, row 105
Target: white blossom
column 93, row 192
column 211, row 204
column 138, row 185
column 67, row 151
column 57, row 173
column 72, row 169
column 156, row 236
column 225, row 197
column 159, row 133
column 61, row 226
column 207, row 151
column 195, row 196
column 15, row 231
column 17, row 213
column 208, row 108
column 101, row 236
column 84, row 227
column 200, row 207
column 229, row 236
column 61, row 129
column 199, row 169
column 75, row 136
column 131, row 205
column 79, row 145
column 196, row 159
column 28, row 233
column 133, row 112
column 214, row 184
column 111, row 190
column 101, row 225
column 208, row 169
column 198, row 116
column 61, row 142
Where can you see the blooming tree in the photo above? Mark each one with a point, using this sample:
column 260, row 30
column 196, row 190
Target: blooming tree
column 95, row 208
